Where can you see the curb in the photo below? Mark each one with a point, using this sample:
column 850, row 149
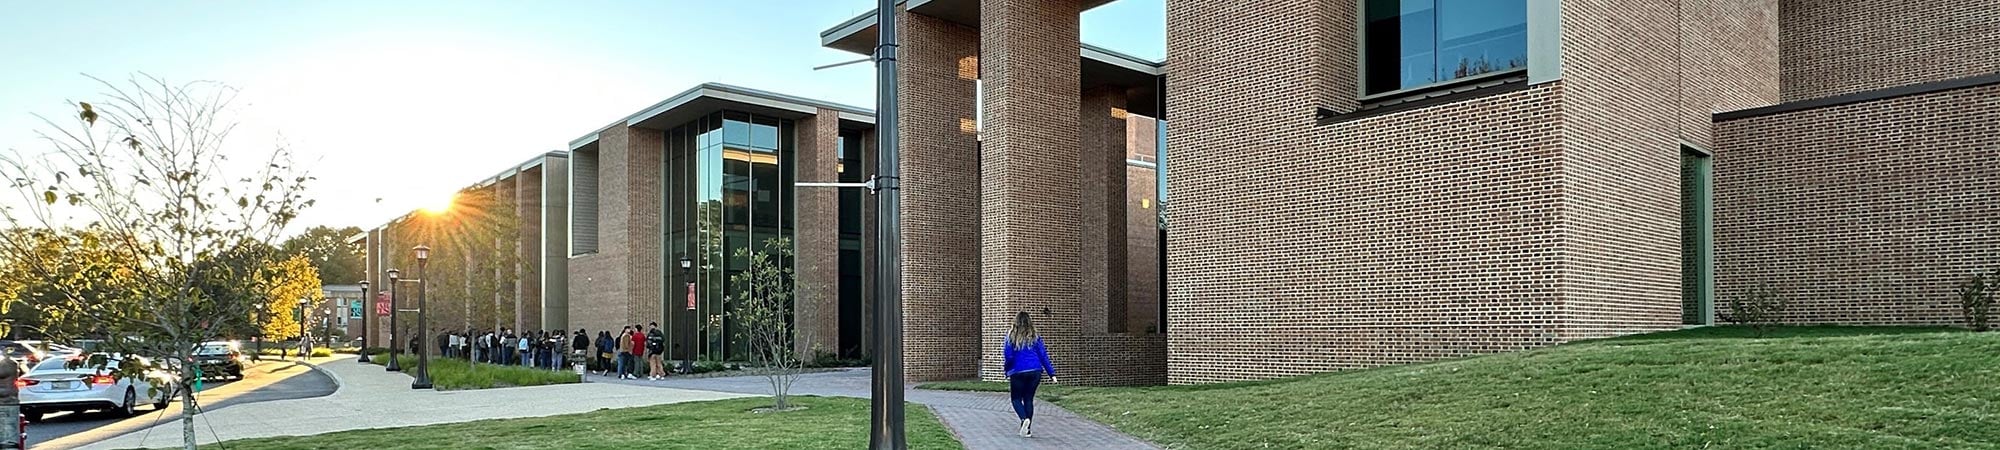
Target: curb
column 338, row 383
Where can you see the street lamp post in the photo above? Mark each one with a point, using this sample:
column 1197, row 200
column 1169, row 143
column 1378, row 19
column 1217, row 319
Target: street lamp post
column 394, row 342
column 423, row 284
column 886, row 386
column 886, row 420
column 367, row 315
column 303, row 342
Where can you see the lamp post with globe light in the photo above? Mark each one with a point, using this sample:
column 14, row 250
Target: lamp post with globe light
column 423, row 380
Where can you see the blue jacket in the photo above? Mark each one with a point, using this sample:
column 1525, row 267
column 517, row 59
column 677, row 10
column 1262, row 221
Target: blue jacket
column 1032, row 359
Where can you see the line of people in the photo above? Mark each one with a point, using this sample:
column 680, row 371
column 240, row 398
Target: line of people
column 608, row 354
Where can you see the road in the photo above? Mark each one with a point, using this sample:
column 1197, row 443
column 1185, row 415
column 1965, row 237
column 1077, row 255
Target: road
column 266, row 381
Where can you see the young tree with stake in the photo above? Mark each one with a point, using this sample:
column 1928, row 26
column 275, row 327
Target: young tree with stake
column 146, row 172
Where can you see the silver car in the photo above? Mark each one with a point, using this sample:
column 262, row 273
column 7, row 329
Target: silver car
column 54, row 386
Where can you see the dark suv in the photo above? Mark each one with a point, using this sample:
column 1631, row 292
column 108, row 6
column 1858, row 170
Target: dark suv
column 219, row 359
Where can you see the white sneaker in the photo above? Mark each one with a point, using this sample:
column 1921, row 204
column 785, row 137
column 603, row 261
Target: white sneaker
column 1023, row 432
column 1027, row 427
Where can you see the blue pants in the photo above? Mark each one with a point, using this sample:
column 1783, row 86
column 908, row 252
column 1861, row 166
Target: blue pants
column 1022, row 386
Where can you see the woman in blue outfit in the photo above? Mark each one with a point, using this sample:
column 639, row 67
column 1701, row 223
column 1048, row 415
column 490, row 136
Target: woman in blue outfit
column 1027, row 361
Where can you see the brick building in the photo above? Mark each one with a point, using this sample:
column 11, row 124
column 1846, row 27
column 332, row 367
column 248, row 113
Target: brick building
column 1359, row 183
column 1352, row 183
column 706, row 173
column 499, row 255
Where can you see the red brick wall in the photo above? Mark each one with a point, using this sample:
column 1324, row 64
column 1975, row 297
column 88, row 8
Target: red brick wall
column 1865, row 213
column 1838, row 47
column 817, row 235
column 1728, row 61
column 1102, row 226
column 1030, row 145
column 1621, row 167
column 621, row 284
column 940, row 207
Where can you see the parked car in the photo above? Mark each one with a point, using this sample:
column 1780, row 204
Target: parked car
column 220, row 359
column 62, row 351
column 26, row 353
column 75, row 384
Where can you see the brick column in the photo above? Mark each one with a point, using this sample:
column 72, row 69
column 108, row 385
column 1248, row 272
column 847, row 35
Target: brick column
column 1102, row 233
column 816, row 307
column 940, row 210
column 1031, row 146
column 528, row 278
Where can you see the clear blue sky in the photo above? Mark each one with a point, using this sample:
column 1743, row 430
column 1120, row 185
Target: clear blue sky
column 409, row 100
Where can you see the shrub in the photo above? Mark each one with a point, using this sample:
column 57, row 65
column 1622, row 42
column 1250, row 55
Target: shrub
column 823, row 359
column 1976, row 297
column 1759, row 307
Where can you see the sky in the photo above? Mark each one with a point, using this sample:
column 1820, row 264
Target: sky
column 407, row 101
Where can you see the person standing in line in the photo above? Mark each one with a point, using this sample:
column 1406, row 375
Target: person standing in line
column 638, row 338
column 521, row 347
column 579, row 347
column 624, row 353
column 656, row 343
column 1027, row 360
column 604, row 352
column 505, row 349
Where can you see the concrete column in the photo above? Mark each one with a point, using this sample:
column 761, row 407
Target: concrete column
column 1031, row 150
column 816, row 304
column 940, row 210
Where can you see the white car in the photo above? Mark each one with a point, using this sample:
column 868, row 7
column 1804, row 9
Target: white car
column 54, row 386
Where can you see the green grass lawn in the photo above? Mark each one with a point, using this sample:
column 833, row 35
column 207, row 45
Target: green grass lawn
column 454, row 374
column 827, row 422
column 1800, row 387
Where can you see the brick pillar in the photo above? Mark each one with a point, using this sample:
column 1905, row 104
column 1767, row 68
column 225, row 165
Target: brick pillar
column 816, row 307
column 1102, row 233
column 527, row 286
column 1031, row 146
column 940, row 209
column 643, row 156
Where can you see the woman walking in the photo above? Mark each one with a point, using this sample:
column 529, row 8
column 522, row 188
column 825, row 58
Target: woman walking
column 1026, row 362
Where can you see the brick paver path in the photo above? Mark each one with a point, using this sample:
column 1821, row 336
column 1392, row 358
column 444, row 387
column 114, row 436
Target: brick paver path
column 981, row 420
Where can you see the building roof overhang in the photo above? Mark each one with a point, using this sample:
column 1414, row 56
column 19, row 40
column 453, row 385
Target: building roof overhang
column 1144, row 80
column 711, row 97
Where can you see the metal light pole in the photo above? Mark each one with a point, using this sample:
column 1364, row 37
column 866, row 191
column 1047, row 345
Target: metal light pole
column 423, row 356
column 367, row 315
column 886, row 418
column 886, row 388
column 395, row 341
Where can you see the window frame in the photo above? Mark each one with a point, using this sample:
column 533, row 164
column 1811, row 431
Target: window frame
column 1361, row 66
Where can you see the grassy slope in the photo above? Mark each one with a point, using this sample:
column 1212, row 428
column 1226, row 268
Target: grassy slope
column 831, row 423
column 1805, row 387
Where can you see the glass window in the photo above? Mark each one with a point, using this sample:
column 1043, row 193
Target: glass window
column 1413, row 43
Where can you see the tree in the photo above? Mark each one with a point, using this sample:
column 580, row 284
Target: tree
column 762, row 300
column 333, row 257
column 1760, row 307
column 145, row 171
column 285, row 283
column 1976, row 297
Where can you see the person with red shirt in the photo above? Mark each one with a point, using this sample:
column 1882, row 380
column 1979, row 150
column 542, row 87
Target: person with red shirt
column 638, row 338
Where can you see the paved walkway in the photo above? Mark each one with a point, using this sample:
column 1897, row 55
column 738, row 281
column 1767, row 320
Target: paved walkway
column 369, row 397
column 981, row 420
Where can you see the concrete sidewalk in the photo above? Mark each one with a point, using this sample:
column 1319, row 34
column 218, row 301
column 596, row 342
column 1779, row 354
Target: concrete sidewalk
column 370, row 397
column 980, row 420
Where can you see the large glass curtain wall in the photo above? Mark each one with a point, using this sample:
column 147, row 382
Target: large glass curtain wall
column 728, row 186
